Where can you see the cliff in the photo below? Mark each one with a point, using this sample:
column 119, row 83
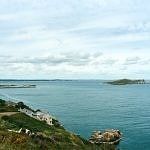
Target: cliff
column 19, row 131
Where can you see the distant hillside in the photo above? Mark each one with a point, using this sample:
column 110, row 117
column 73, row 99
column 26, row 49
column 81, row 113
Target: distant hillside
column 126, row 81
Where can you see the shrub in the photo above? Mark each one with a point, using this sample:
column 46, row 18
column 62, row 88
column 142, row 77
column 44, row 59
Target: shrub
column 2, row 102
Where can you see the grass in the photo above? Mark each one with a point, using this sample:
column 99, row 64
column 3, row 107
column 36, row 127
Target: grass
column 6, row 108
column 54, row 138
column 21, row 120
column 47, row 137
column 15, row 141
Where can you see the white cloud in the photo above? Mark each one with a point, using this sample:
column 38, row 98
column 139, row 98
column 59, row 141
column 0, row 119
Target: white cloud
column 7, row 17
column 69, row 65
column 67, row 37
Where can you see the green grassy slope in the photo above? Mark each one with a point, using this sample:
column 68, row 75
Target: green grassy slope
column 46, row 137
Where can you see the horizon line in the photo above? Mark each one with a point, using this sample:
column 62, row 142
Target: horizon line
column 67, row 79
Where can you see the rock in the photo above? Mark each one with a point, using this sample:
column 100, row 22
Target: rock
column 108, row 136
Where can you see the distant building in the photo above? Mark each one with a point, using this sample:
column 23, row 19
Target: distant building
column 44, row 117
column 38, row 115
column 27, row 112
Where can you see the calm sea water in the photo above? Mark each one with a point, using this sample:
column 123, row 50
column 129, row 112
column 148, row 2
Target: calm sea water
column 83, row 106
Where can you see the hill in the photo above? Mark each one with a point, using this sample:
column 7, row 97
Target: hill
column 14, row 135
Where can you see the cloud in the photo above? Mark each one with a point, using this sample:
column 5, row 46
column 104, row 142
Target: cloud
column 76, row 59
column 140, row 61
column 132, row 61
column 7, row 17
column 67, row 37
column 72, row 65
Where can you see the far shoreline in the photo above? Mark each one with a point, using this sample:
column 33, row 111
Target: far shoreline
column 4, row 86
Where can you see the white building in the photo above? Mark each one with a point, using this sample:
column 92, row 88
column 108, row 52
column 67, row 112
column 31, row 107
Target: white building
column 27, row 112
column 44, row 117
column 38, row 115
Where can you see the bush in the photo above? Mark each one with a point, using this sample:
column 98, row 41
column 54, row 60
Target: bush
column 22, row 106
column 23, row 121
column 2, row 102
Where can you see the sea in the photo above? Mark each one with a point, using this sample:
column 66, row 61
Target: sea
column 84, row 106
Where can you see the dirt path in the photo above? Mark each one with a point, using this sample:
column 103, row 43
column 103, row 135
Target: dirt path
column 7, row 113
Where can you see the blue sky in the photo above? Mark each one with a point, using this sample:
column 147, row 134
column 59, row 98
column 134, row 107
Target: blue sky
column 84, row 39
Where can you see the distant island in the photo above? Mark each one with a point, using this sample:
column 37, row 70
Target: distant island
column 16, row 86
column 127, row 81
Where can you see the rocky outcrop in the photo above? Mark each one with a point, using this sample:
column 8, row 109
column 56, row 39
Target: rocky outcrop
column 108, row 136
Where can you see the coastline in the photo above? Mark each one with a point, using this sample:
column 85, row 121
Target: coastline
column 10, row 114
column 3, row 86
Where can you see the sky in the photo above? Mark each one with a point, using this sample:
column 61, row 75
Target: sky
column 74, row 39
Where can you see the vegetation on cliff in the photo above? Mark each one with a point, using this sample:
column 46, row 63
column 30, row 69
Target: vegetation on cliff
column 45, row 137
